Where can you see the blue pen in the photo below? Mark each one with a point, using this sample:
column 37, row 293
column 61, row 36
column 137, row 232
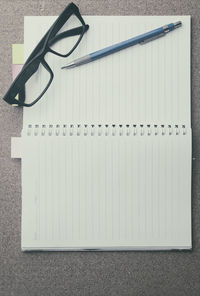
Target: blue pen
column 141, row 39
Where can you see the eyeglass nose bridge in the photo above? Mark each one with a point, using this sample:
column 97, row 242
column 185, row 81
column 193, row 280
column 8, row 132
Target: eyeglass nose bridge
column 33, row 66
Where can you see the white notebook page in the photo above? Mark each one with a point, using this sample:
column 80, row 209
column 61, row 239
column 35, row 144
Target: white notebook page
column 147, row 84
column 106, row 192
column 111, row 192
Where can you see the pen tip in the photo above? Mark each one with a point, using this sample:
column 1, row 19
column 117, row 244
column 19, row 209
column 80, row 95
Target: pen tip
column 69, row 65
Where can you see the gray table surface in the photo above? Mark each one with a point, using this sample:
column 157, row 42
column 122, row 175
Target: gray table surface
column 89, row 273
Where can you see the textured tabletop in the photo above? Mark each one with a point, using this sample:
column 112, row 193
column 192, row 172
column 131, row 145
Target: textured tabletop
column 90, row 273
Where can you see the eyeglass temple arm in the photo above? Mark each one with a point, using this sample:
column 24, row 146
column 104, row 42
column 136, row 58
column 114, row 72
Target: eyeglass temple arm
column 69, row 33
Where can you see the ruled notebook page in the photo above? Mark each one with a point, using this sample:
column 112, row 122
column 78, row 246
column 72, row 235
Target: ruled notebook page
column 107, row 192
column 146, row 84
column 110, row 191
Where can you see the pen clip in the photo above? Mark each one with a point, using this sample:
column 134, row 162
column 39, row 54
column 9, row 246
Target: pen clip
column 152, row 38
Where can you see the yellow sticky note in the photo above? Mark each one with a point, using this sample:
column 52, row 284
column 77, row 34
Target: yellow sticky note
column 18, row 54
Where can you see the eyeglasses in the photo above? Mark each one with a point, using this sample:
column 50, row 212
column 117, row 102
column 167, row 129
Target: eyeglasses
column 61, row 39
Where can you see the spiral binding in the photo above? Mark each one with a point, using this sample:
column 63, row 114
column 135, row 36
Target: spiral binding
column 105, row 130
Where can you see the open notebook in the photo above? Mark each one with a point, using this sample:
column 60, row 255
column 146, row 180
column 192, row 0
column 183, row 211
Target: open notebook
column 106, row 160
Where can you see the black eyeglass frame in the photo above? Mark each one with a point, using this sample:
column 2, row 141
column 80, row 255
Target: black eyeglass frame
column 37, row 56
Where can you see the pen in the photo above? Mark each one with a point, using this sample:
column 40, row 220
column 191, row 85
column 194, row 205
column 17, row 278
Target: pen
column 141, row 39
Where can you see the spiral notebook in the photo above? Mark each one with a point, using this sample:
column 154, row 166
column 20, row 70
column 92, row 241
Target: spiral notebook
column 106, row 159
